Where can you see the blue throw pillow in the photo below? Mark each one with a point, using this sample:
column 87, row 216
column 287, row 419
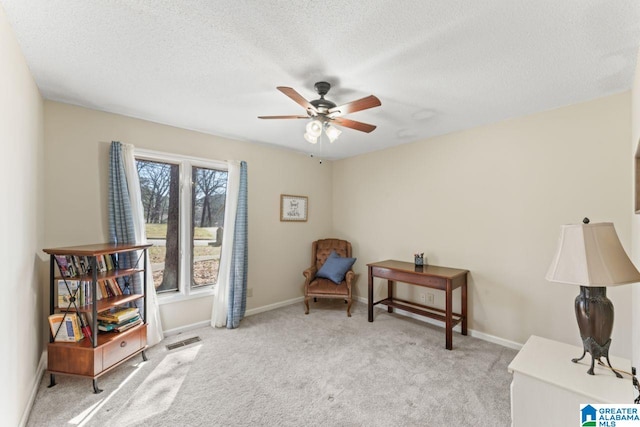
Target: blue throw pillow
column 335, row 267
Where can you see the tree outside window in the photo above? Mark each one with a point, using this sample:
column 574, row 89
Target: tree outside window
column 184, row 221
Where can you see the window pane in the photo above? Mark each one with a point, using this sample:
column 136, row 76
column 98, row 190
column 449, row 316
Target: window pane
column 159, row 185
column 209, row 192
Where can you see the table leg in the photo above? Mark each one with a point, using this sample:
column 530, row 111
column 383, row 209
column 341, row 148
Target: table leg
column 370, row 308
column 390, row 295
column 463, row 310
column 449, row 316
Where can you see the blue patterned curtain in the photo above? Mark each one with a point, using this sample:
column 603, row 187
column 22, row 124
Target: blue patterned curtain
column 238, row 275
column 121, row 229
column 120, row 217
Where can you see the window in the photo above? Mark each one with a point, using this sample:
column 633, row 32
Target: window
column 183, row 201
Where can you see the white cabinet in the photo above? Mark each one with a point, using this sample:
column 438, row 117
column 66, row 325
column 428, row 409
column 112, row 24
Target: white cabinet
column 548, row 388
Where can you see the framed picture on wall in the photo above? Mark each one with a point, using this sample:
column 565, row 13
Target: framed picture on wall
column 293, row 208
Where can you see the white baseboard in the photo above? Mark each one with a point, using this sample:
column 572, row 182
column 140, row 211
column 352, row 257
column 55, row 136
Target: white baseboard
column 186, row 328
column 42, row 366
column 273, row 306
column 496, row 340
column 476, row 334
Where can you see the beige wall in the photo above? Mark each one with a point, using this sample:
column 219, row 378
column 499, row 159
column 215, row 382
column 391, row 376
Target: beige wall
column 21, row 219
column 635, row 219
column 492, row 200
column 77, row 153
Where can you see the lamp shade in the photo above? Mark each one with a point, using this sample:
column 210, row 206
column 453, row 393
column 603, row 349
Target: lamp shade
column 310, row 138
column 591, row 255
column 314, row 128
column 332, row 132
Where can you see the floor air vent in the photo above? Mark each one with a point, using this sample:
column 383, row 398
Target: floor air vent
column 183, row 343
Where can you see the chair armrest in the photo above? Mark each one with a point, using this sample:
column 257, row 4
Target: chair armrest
column 309, row 274
column 349, row 278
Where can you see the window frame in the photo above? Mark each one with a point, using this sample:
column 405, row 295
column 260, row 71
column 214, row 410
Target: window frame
column 185, row 169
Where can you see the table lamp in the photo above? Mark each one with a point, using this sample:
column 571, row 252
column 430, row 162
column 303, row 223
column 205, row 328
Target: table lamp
column 591, row 256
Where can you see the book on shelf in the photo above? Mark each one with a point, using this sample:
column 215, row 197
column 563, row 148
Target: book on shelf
column 98, row 295
column 106, row 327
column 77, row 328
column 119, row 316
column 109, row 288
column 88, row 318
column 100, row 262
column 67, row 289
column 84, row 325
column 78, row 264
column 73, row 265
column 114, row 261
column 63, row 266
column 81, row 290
column 102, row 290
column 86, row 264
column 128, row 325
column 109, row 262
column 113, row 286
column 121, row 326
column 65, row 327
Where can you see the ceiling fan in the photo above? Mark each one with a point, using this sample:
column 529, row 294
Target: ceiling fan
column 325, row 113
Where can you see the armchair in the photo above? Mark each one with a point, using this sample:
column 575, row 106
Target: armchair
column 320, row 287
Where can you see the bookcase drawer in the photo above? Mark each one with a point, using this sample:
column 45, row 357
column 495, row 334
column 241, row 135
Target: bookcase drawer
column 124, row 346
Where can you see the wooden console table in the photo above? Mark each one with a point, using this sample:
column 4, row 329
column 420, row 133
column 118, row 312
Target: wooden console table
column 431, row 276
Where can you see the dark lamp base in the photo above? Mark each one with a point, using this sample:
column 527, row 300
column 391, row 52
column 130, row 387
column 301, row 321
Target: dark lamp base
column 594, row 312
column 596, row 351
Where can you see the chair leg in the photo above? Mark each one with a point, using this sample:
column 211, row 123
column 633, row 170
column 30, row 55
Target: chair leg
column 349, row 307
column 306, row 305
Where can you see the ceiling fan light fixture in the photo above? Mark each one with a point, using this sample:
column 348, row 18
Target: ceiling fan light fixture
column 332, row 132
column 322, row 112
column 314, row 128
column 310, row 138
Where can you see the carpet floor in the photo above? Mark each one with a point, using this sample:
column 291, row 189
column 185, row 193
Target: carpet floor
column 282, row 368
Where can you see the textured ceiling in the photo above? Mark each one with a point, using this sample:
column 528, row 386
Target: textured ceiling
column 437, row 66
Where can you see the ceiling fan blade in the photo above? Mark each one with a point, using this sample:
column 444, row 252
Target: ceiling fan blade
column 362, row 127
column 358, row 105
column 283, row 117
column 291, row 93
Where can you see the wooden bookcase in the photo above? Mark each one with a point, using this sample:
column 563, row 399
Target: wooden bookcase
column 103, row 351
